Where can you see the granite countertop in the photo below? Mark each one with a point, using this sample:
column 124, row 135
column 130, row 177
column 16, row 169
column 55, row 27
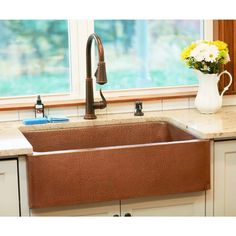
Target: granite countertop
column 13, row 143
column 221, row 125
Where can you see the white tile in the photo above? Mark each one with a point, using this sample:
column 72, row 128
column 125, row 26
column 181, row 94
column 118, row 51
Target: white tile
column 46, row 111
column 229, row 100
column 191, row 102
column 24, row 114
column 152, row 105
column 172, row 104
column 9, row 115
column 123, row 107
column 67, row 111
column 101, row 111
column 81, row 111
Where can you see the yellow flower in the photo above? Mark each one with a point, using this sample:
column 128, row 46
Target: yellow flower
column 186, row 52
column 220, row 45
column 223, row 57
column 199, row 55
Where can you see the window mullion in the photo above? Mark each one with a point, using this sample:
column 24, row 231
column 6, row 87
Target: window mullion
column 208, row 29
column 79, row 33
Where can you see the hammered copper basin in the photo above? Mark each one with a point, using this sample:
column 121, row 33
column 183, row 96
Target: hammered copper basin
column 105, row 136
column 113, row 162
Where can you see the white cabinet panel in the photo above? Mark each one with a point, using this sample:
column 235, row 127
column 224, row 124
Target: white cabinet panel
column 230, row 184
column 9, row 200
column 191, row 204
column 95, row 209
column 225, row 178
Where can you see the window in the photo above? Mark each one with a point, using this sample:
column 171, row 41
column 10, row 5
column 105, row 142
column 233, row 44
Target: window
column 48, row 57
column 34, row 57
column 146, row 53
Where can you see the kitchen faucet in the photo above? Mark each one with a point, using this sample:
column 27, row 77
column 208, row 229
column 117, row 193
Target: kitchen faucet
column 101, row 78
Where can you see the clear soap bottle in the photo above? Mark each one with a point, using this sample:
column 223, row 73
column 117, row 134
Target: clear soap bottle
column 39, row 108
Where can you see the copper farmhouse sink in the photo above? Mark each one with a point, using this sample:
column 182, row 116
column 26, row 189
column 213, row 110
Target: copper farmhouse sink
column 113, row 162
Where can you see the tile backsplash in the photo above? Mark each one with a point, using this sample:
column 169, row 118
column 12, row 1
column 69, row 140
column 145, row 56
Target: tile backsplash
column 67, row 111
column 9, row 115
column 172, row 104
column 159, row 105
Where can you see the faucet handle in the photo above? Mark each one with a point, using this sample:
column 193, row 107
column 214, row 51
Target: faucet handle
column 102, row 104
column 103, row 98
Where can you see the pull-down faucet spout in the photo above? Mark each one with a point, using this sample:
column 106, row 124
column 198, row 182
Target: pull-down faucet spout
column 101, row 78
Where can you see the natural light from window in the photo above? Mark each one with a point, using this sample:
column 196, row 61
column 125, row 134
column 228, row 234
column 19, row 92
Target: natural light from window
column 38, row 56
column 146, row 53
column 33, row 57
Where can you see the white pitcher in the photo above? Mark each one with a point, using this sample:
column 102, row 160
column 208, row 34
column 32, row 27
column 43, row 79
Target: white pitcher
column 208, row 99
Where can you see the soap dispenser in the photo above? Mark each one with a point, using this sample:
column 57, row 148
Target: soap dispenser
column 39, row 108
column 138, row 109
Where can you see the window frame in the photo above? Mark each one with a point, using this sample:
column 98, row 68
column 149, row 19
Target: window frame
column 79, row 31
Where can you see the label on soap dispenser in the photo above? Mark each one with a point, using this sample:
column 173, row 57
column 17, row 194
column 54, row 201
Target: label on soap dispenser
column 39, row 111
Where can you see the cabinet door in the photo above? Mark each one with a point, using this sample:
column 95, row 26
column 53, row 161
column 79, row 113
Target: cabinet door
column 9, row 200
column 191, row 204
column 95, row 209
column 225, row 178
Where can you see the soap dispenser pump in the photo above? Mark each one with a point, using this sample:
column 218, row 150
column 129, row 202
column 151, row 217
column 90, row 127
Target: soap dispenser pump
column 39, row 108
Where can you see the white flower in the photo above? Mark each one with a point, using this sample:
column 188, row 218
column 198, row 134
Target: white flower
column 198, row 53
column 206, row 56
column 211, row 53
column 200, row 57
column 205, row 52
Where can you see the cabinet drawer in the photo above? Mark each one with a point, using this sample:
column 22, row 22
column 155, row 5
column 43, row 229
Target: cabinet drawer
column 9, row 198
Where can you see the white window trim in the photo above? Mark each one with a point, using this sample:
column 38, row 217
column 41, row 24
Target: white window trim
column 79, row 31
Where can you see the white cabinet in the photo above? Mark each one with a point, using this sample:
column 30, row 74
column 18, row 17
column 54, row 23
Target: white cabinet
column 9, row 198
column 225, row 178
column 191, row 204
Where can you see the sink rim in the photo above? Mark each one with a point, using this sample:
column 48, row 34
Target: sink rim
column 115, row 147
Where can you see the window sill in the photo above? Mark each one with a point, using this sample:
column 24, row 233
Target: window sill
column 120, row 99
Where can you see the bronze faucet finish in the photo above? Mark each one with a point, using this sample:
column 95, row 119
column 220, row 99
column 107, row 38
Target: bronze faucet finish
column 100, row 75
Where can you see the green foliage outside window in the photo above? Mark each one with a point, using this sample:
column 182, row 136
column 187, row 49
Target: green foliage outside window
column 33, row 57
column 145, row 53
column 34, row 54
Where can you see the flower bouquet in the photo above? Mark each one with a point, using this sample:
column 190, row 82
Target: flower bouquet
column 207, row 58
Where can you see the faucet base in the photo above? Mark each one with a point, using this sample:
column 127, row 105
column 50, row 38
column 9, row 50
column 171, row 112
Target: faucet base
column 90, row 116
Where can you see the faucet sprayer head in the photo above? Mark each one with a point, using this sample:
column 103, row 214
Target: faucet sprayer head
column 100, row 74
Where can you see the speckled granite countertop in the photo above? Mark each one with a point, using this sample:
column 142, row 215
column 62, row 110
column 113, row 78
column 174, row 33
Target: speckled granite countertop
column 13, row 143
column 221, row 125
